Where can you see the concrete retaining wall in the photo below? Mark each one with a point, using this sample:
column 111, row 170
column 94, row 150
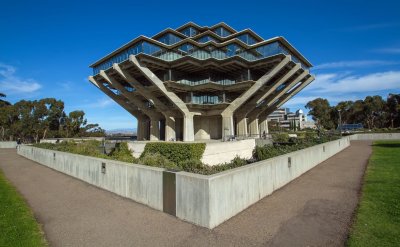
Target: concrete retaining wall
column 139, row 183
column 203, row 200
column 221, row 152
column 8, row 144
column 210, row 200
column 375, row 136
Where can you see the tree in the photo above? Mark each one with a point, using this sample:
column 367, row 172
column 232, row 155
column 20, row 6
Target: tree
column 393, row 108
column 373, row 109
column 3, row 102
column 320, row 111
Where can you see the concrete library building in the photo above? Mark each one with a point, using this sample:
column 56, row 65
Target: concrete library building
column 199, row 83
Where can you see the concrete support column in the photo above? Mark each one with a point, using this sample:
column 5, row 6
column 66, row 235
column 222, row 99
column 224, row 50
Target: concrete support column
column 241, row 126
column 188, row 128
column 253, row 128
column 154, row 129
column 140, row 131
column 227, row 127
column 264, row 127
column 170, row 133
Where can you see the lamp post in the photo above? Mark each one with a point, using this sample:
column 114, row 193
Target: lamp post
column 340, row 122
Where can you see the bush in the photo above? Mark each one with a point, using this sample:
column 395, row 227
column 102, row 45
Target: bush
column 121, row 152
column 176, row 152
column 280, row 137
column 157, row 160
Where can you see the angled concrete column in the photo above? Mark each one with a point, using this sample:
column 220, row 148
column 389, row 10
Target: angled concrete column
column 188, row 128
column 154, row 129
column 241, row 126
column 227, row 126
column 253, row 128
column 170, row 133
column 264, row 127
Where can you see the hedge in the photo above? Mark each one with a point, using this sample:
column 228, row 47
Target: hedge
column 175, row 152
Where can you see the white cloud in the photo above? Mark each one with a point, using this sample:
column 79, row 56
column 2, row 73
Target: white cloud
column 337, row 83
column 101, row 103
column 354, row 64
column 11, row 83
column 342, row 86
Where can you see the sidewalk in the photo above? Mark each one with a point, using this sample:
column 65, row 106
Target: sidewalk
column 313, row 210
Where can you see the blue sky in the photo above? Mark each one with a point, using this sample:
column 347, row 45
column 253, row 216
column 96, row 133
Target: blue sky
column 47, row 46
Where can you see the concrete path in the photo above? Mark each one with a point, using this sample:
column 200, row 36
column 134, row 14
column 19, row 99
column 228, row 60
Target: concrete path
column 313, row 210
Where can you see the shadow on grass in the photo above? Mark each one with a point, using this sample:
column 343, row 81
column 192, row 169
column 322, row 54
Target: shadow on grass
column 387, row 145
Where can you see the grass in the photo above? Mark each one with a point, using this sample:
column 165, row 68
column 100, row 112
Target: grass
column 18, row 227
column 377, row 221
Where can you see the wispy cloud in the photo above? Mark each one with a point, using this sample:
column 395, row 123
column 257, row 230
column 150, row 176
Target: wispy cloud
column 354, row 64
column 11, row 83
column 392, row 50
column 337, row 83
column 101, row 103
column 342, row 86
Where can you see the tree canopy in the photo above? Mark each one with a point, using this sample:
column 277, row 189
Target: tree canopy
column 45, row 118
column 372, row 112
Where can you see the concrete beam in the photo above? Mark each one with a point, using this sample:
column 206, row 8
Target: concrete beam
column 142, row 106
column 270, row 101
column 257, row 85
column 288, row 87
column 140, row 88
column 280, row 82
column 118, row 99
column 286, row 97
column 295, row 91
column 188, row 134
column 252, row 104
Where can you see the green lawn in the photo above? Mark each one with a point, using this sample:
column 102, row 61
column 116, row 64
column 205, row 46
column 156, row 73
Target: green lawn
column 18, row 227
column 377, row 221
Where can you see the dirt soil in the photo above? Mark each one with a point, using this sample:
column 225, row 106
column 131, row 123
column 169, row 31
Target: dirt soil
column 313, row 210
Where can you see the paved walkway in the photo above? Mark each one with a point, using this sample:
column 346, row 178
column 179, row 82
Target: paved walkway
column 313, row 210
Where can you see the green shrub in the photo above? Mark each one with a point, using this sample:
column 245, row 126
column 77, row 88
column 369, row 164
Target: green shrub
column 157, row 160
column 280, row 137
column 175, row 152
column 121, row 152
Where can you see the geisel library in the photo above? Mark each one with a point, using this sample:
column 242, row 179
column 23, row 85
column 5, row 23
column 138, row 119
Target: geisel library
column 199, row 83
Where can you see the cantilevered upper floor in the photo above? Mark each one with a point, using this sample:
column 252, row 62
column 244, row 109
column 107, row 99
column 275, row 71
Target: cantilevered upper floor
column 193, row 79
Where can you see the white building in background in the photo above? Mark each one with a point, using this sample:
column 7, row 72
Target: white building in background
column 284, row 118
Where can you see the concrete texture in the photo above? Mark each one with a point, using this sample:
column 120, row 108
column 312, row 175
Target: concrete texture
column 313, row 210
column 232, row 191
column 139, row 183
column 375, row 136
column 8, row 144
column 221, row 152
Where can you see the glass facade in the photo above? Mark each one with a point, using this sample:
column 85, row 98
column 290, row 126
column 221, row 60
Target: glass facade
column 206, row 99
column 247, row 38
column 222, row 32
column 205, row 39
column 169, row 39
column 190, row 31
column 199, row 53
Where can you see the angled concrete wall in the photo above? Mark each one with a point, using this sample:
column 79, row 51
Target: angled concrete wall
column 210, row 200
column 139, row 183
column 375, row 136
column 203, row 200
column 8, row 144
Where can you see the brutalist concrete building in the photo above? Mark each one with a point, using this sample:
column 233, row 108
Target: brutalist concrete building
column 196, row 83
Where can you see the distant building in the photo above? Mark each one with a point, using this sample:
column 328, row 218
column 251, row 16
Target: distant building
column 198, row 82
column 284, row 118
